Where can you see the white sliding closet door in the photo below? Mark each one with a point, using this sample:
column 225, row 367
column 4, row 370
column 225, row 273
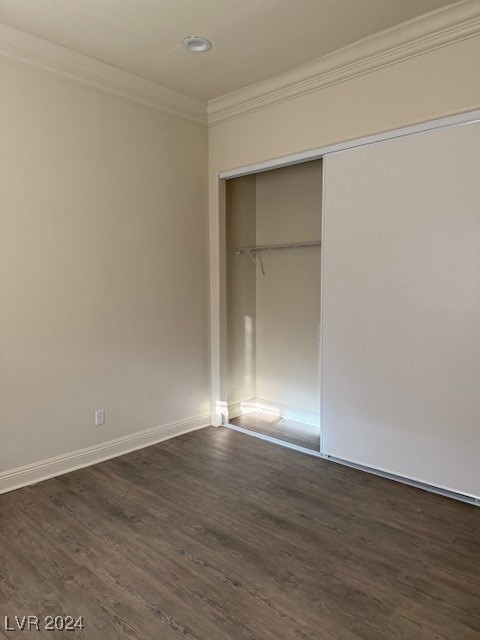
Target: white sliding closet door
column 401, row 307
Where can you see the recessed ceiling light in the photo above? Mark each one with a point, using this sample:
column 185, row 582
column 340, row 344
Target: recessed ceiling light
column 197, row 44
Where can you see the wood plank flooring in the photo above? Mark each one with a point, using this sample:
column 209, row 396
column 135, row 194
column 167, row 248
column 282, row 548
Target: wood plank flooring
column 216, row 535
column 284, row 429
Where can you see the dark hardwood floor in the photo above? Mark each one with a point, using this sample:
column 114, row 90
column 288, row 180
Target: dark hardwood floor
column 216, row 535
column 284, row 429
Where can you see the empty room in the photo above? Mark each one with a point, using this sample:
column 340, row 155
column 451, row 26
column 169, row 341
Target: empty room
column 240, row 319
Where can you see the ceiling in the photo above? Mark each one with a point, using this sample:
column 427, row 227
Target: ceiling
column 252, row 39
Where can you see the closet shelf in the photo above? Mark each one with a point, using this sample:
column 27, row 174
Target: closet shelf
column 276, row 247
column 292, row 246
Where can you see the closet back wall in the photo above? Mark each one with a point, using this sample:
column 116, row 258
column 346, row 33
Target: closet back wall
column 103, row 267
column 273, row 321
column 289, row 208
column 241, row 285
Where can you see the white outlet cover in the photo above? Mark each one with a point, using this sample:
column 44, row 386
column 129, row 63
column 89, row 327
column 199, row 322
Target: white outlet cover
column 99, row 417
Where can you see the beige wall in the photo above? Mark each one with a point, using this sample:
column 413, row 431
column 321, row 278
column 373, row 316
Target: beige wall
column 428, row 86
column 103, row 267
column 289, row 206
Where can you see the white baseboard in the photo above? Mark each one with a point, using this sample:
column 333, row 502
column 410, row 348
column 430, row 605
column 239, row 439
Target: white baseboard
column 236, row 409
column 287, row 411
column 37, row 471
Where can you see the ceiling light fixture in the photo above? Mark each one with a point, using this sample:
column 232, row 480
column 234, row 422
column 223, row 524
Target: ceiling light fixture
column 197, row 44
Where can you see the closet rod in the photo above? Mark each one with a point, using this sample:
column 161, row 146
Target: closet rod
column 276, row 247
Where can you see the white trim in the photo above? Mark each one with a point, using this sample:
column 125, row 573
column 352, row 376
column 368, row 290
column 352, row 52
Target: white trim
column 322, row 303
column 305, row 416
column 320, row 152
column 38, row 471
column 470, row 499
column 259, row 405
column 425, row 33
column 218, row 307
column 53, row 59
column 236, row 409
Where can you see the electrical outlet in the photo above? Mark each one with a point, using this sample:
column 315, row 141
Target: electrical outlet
column 99, row 417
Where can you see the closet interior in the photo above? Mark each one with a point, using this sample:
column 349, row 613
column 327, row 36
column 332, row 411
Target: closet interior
column 273, row 242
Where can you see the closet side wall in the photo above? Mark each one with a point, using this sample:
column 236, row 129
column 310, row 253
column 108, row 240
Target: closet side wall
column 241, row 302
column 288, row 298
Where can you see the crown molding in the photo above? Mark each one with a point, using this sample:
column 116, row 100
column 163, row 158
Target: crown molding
column 42, row 55
column 418, row 36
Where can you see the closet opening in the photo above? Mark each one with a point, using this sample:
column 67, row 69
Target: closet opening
column 273, row 297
